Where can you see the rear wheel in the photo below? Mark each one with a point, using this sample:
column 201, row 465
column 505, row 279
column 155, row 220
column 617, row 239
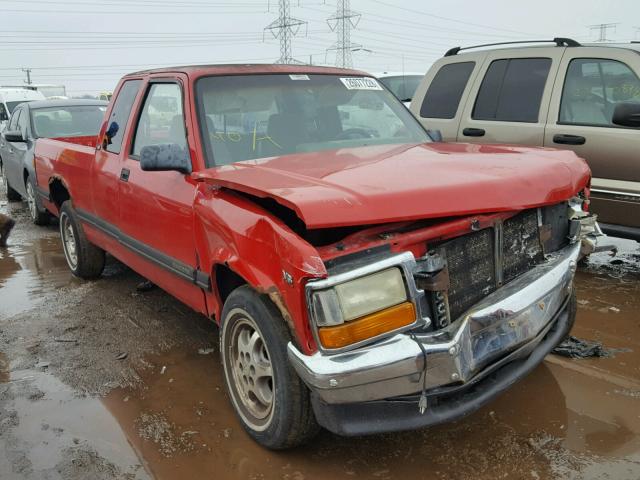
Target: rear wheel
column 271, row 401
column 84, row 259
column 38, row 214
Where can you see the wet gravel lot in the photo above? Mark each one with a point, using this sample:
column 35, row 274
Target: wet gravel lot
column 101, row 381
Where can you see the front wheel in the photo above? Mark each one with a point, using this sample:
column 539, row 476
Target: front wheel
column 38, row 214
column 269, row 398
column 84, row 259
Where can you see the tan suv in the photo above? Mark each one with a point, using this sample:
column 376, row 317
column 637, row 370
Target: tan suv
column 580, row 97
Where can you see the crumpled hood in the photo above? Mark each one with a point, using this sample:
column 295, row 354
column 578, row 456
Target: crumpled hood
column 380, row 184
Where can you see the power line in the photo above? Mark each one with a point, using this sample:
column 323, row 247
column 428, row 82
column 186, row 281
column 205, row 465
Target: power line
column 285, row 28
column 603, row 28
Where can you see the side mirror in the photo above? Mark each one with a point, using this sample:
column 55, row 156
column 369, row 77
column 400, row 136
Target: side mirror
column 3, row 116
column 436, row 135
column 627, row 114
column 14, row 136
column 165, row 157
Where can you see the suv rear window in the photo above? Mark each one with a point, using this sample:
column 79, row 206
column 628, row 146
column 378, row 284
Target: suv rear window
column 444, row 93
column 512, row 90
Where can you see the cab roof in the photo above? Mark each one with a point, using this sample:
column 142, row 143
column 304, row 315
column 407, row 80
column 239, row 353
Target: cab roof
column 249, row 69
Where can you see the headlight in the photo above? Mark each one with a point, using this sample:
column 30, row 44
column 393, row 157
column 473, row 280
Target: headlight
column 362, row 308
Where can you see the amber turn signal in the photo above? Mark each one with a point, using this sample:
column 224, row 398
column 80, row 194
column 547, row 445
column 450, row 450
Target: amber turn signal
column 368, row 326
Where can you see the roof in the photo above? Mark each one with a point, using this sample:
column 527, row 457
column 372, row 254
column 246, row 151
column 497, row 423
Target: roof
column 66, row 103
column 250, row 69
column 398, row 74
column 635, row 46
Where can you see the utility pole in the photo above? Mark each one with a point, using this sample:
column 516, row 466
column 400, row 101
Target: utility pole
column 284, row 29
column 602, row 29
column 28, row 72
column 342, row 22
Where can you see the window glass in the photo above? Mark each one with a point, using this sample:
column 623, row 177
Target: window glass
column 13, row 123
column 402, row 86
column 23, row 119
column 593, row 88
column 4, row 115
column 258, row 116
column 120, row 114
column 69, row 121
column 444, row 93
column 162, row 119
column 512, row 90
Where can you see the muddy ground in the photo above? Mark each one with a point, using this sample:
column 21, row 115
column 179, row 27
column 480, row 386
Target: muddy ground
column 101, row 381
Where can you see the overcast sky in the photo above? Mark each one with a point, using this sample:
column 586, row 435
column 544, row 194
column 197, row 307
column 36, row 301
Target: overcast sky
column 87, row 44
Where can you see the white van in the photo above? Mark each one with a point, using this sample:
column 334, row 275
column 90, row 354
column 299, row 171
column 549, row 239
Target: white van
column 10, row 98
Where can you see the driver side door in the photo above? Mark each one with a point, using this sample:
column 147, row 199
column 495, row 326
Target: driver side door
column 156, row 208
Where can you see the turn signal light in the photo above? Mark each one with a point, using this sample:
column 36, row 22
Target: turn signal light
column 368, row 326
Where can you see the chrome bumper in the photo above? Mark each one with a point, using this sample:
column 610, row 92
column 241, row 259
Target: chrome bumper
column 509, row 318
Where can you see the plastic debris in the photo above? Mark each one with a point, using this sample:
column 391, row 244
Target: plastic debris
column 145, row 286
column 122, row 356
column 163, row 369
column 206, row 351
column 574, row 347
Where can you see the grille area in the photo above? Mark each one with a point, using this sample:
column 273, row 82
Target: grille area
column 474, row 271
column 521, row 244
column 471, row 263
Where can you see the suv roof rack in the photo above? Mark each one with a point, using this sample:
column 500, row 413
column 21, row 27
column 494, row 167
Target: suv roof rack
column 559, row 41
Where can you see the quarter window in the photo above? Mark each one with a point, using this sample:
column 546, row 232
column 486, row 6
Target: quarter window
column 444, row 93
column 120, row 114
column 592, row 89
column 13, row 123
column 512, row 90
column 162, row 119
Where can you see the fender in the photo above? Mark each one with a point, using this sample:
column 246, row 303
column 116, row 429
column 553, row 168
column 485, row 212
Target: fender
column 231, row 230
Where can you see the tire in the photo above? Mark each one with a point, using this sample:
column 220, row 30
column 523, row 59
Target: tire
column 84, row 259
column 271, row 401
column 38, row 214
column 12, row 195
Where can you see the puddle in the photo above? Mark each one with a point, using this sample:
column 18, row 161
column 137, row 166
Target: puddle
column 557, row 423
column 51, row 432
column 32, row 265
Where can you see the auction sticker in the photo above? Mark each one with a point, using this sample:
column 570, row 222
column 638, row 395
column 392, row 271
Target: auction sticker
column 361, row 83
column 299, row 77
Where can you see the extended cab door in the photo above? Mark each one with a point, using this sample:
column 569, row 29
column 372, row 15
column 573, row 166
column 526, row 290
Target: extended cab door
column 510, row 97
column 156, row 208
column 591, row 82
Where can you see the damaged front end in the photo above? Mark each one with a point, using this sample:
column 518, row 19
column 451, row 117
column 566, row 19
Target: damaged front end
column 417, row 340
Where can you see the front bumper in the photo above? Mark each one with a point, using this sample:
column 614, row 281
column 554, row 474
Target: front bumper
column 507, row 325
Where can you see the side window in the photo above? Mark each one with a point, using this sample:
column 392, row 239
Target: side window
column 592, row 89
column 3, row 113
column 444, row 93
column 512, row 90
column 23, row 120
column 162, row 119
column 13, row 123
column 120, row 114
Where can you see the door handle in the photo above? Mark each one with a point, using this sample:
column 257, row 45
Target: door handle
column 569, row 139
column 473, row 132
column 124, row 175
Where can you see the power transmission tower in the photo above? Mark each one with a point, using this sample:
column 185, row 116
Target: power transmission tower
column 602, row 29
column 28, row 72
column 285, row 28
column 342, row 22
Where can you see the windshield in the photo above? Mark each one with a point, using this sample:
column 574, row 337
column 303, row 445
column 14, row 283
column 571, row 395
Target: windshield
column 257, row 116
column 69, row 121
column 12, row 105
column 402, row 86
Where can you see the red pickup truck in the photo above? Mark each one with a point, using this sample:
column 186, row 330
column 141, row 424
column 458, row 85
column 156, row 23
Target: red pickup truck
column 364, row 277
